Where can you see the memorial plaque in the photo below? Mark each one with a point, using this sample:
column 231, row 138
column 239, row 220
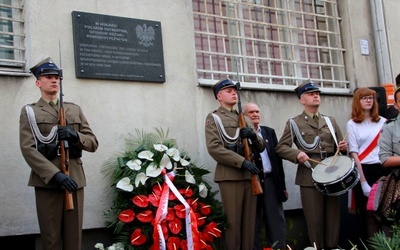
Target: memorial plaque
column 117, row 48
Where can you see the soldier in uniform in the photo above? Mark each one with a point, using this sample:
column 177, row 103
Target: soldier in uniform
column 389, row 156
column 311, row 133
column 233, row 171
column 39, row 136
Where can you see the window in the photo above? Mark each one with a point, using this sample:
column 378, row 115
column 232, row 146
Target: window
column 12, row 50
column 270, row 44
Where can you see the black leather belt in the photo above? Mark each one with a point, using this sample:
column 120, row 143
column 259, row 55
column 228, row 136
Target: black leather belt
column 321, row 155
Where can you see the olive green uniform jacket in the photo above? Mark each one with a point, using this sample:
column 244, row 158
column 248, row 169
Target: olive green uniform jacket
column 46, row 117
column 308, row 130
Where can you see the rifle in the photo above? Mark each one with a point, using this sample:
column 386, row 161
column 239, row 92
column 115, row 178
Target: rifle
column 64, row 147
column 255, row 181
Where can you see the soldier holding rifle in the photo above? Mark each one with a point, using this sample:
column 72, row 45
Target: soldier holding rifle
column 233, row 172
column 40, row 136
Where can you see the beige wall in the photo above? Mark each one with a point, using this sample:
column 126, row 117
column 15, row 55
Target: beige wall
column 392, row 10
column 115, row 109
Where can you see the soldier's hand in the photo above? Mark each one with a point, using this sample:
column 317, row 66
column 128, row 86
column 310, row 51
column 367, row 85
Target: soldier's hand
column 68, row 134
column 250, row 167
column 65, row 181
column 247, row 132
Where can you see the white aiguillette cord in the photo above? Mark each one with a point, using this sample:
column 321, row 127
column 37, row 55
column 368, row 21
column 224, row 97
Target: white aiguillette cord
column 35, row 129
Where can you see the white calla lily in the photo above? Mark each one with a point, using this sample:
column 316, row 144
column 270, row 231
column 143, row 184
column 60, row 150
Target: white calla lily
column 184, row 162
column 189, row 177
column 160, row 147
column 125, row 184
column 174, row 154
column 203, row 190
column 148, row 155
column 140, row 178
column 152, row 170
column 134, row 164
column 165, row 162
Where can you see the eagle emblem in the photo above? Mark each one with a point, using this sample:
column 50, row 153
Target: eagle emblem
column 145, row 34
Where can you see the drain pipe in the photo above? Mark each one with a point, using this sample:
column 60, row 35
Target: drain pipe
column 381, row 44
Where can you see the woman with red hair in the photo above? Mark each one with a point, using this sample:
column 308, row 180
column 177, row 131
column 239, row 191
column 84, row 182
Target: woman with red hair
column 363, row 130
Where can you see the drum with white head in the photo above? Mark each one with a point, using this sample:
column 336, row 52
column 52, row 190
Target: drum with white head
column 335, row 175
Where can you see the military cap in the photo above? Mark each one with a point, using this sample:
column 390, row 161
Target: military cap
column 45, row 67
column 306, row 87
column 222, row 84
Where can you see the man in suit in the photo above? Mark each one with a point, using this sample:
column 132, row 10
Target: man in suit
column 270, row 202
column 39, row 137
column 314, row 140
column 233, row 172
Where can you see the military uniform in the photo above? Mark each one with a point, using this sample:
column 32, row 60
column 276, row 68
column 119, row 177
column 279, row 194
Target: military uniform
column 234, row 182
column 321, row 211
column 59, row 229
column 389, row 141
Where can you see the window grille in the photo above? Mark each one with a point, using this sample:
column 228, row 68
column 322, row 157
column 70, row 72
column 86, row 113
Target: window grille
column 270, row 44
column 12, row 48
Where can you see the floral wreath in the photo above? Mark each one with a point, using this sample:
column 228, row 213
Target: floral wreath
column 161, row 199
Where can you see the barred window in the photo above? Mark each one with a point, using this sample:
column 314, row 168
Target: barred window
column 270, row 44
column 12, row 48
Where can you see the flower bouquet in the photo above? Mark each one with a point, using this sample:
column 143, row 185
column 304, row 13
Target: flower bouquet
column 160, row 198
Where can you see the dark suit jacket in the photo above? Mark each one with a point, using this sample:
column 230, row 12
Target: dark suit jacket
column 278, row 174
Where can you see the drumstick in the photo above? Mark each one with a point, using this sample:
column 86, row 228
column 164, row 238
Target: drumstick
column 337, row 151
column 315, row 161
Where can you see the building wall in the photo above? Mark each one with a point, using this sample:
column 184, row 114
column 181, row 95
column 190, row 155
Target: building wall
column 116, row 108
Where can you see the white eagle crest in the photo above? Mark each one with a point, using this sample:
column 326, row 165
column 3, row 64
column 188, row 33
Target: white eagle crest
column 145, row 34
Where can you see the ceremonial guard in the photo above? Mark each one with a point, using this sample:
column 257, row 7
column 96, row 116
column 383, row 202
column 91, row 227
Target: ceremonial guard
column 233, row 172
column 316, row 137
column 40, row 136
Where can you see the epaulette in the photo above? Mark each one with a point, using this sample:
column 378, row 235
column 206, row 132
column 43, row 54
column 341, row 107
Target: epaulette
column 70, row 103
column 391, row 120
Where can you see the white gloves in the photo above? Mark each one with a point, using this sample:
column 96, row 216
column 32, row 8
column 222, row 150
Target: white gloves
column 365, row 188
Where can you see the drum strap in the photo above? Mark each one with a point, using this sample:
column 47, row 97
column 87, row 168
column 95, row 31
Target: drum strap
column 328, row 121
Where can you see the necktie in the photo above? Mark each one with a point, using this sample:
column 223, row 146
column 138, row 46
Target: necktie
column 54, row 106
column 315, row 118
